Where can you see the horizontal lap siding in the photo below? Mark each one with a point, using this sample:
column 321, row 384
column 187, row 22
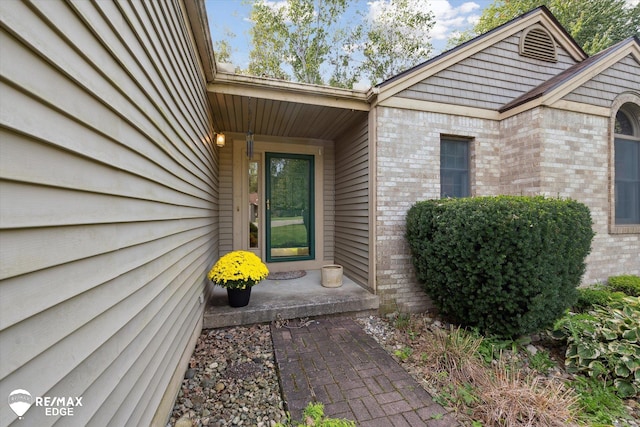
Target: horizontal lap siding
column 225, row 203
column 490, row 78
column 328, row 202
column 352, row 203
column 108, row 204
column 603, row 88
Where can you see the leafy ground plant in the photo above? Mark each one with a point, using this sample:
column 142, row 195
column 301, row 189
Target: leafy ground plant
column 492, row 347
column 404, row 353
column 605, row 344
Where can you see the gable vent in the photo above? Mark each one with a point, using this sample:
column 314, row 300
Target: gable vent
column 537, row 43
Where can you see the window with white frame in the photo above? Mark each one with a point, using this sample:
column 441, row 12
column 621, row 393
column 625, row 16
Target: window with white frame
column 627, row 165
column 454, row 167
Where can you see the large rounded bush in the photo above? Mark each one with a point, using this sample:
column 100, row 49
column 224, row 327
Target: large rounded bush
column 509, row 265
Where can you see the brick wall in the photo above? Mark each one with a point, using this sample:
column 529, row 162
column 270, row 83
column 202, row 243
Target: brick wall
column 408, row 170
column 540, row 151
column 520, row 154
column 575, row 164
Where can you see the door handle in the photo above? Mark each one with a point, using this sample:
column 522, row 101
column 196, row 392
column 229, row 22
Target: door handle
column 268, row 208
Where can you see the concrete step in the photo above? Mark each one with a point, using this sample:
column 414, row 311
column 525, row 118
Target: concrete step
column 290, row 299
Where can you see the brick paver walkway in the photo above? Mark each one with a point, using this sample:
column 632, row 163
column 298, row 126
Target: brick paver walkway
column 335, row 362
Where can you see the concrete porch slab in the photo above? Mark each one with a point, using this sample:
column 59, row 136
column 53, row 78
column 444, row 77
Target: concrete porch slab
column 290, row 299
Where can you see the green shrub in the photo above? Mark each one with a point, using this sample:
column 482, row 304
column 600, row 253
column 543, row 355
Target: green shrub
column 508, row 265
column 605, row 344
column 593, row 296
column 629, row 284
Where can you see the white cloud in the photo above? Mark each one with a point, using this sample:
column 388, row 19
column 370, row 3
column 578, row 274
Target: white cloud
column 450, row 19
column 276, row 4
column 468, row 7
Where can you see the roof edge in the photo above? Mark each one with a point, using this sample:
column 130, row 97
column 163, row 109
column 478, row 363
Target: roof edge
column 570, row 75
column 196, row 14
column 282, row 90
column 478, row 43
column 290, row 86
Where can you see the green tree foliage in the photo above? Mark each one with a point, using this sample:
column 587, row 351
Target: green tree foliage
column 290, row 183
column 269, row 35
column 394, row 40
column 223, row 50
column 594, row 24
column 311, row 38
column 300, row 33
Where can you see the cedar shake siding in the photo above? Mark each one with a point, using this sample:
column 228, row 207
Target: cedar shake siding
column 489, row 78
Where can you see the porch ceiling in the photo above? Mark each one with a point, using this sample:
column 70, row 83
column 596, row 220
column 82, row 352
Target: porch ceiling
column 283, row 108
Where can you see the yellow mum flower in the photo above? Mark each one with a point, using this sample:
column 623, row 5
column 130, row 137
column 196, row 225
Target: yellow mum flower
column 238, row 270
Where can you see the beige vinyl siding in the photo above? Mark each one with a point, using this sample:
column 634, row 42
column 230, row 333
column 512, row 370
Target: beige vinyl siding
column 226, row 199
column 602, row 89
column 352, row 205
column 329, row 202
column 108, row 205
column 490, row 78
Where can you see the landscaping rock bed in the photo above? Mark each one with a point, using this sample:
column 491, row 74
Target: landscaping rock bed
column 231, row 381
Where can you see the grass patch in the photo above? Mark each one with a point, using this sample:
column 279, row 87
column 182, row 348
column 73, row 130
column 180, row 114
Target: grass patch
column 511, row 399
column 599, row 403
column 493, row 393
column 313, row 415
column 289, row 236
column 495, row 382
column 454, row 352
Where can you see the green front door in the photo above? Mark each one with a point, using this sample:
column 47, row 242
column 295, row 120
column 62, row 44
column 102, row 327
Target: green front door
column 290, row 209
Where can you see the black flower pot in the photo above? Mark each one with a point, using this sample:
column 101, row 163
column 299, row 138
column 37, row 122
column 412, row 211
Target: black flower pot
column 239, row 297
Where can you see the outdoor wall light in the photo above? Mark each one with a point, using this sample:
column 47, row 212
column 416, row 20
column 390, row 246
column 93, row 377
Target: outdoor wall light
column 220, row 139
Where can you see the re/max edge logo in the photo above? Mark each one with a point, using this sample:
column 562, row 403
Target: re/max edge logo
column 21, row 400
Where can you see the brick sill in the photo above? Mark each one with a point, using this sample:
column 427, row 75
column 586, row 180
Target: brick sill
column 624, row 229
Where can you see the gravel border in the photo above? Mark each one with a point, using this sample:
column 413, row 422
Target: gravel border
column 231, row 381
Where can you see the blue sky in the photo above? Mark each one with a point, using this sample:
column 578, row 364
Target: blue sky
column 232, row 16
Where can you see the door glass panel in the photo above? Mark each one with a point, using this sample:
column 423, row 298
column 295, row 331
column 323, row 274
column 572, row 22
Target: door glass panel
column 290, row 209
column 254, row 220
